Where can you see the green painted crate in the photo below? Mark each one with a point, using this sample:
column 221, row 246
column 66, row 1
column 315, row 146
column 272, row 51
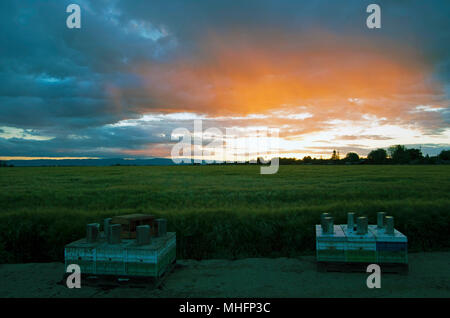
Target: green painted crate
column 393, row 257
column 330, row 247
column 361, row 254
column 360, row 248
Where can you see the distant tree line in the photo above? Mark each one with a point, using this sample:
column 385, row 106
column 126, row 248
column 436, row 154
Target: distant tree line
column 397, row 154
column 5, row 164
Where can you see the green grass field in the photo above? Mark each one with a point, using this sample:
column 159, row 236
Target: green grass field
column 219, row 211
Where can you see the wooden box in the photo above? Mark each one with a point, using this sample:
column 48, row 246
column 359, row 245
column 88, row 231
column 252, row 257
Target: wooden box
column 130, row 221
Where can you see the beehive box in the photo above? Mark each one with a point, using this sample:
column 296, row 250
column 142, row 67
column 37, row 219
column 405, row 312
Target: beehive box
column 360, row 248
column 82, row 254
column 390, row 248
column 110, row 258
column 152, row 259
column 130, row 221
column 124, row 259
column 330, row 247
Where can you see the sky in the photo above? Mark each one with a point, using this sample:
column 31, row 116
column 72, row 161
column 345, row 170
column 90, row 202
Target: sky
column 306, row 76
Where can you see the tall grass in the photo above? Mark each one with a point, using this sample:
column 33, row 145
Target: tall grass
column 218, row 211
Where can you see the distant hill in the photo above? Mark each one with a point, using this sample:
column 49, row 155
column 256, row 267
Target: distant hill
column 92, row 162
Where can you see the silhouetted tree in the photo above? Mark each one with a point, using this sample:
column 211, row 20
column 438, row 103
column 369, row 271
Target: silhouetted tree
column 377, row 156
column 335, row 155
column 400, row 154
column 415, row 154
column 429, row 160
column 307, row 159
column 5, row 164
column 444, row 155
column 352, row 157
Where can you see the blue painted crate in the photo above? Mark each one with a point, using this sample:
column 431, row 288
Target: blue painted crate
column 390, row 248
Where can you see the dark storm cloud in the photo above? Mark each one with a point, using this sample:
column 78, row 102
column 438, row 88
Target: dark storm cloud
column 49, row 73
column 100, row 141
column 422, row 24
column 67, row 83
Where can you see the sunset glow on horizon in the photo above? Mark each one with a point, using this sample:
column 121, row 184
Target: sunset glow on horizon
column 315, row 73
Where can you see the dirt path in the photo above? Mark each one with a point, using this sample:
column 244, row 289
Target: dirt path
column 429, row 276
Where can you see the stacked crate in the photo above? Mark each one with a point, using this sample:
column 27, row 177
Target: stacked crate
column 109, row 255
column 390, row 248
column 111, row 258
column 360, row 247
column 83, row 254
column 129, row 222
column 152, row 259
column 364, row 243
column 330, row 247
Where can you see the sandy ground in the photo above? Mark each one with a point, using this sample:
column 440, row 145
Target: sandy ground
column 429, row 276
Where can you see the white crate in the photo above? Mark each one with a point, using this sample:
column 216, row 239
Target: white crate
column 126, row 258
column 151, row 259
column 380, row 235
column 353, row 236
column 82, row 254
column 111, row 258
column 330, row 247
column 338, row 234
column 152, row 252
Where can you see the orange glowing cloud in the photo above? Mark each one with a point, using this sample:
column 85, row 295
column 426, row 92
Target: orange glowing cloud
column 316, row 89
column 231, row 75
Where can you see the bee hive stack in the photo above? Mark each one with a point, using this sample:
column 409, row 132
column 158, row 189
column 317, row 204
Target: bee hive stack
column 110, row 255
column 392, row 246
column 330, row 242
column 351, row 247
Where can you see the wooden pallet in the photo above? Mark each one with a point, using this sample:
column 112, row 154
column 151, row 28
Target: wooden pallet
column 113, row 281
column 347, row 267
